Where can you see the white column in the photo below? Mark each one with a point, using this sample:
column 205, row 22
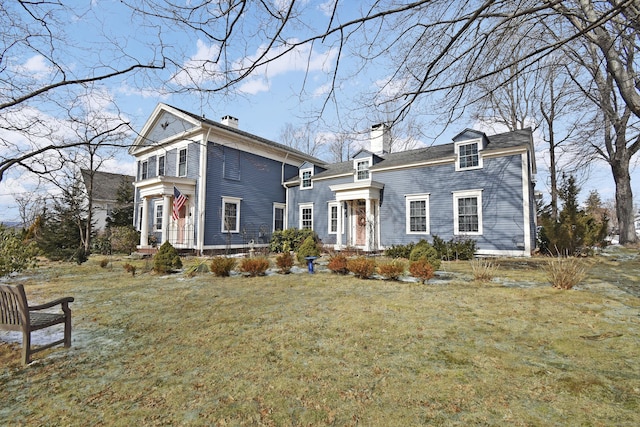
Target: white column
column 368, row 241
column 340, row 226
column 144, row 228
column 166, row 217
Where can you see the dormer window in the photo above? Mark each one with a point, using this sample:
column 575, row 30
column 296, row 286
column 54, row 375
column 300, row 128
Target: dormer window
column 468, row 155
column 362, row 169
column 305, row 179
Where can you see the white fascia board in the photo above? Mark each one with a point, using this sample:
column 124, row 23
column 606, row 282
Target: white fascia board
column 443, row 161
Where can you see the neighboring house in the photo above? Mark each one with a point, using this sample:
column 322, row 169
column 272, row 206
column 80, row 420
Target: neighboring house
column 232, row 181
column 479, row 187
column 105, row 193
column 240, row 188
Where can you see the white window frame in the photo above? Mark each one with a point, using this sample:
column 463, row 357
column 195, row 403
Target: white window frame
column 233, row 201
column 424, row 197
column 164, row 165
column 186, row 161
column 357, row 163
column 144, row 169
column 302, row 173
column 331, row 206
column 458, row 145
column 284, row 213
column 457, row 195
column 301, row 208
column 157, row 216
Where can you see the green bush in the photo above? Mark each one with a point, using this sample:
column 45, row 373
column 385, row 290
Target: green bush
column 167, row 259
column 284, row 261
column 362, row 267
column 391, row 270
column 254, row 266
column 80, row 256
column 308, row 248
column 399, row 251
column 290, row 239
column 338, row 264
column 423, row 249
column 15, row 254
column 455, row 249
column 421, row 269
column 222, row 266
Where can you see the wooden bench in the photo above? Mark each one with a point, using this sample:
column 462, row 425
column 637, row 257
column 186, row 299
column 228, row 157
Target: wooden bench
column 17, row 315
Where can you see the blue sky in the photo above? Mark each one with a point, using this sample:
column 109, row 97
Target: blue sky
column 284, row 92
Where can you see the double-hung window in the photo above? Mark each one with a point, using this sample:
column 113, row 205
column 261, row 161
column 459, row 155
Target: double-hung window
column 182, row 162
column 468, row 155
column 278, row 216
column 306, row 216
column 417, row 214
column 467, row 212
column 231, row 215
column 305, row 179
column 144, row 169
column 333, row 218
column 362, row 170
column 157, row 225
column 161, row 165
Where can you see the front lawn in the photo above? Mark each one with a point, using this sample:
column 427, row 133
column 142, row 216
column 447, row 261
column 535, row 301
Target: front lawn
column 324, row 349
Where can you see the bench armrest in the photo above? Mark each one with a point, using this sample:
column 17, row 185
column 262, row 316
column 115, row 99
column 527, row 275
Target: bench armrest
column 59, row 301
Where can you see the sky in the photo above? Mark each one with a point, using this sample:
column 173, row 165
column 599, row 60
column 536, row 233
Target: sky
column 284, row 92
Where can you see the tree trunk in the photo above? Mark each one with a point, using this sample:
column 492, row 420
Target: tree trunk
column 624, row 200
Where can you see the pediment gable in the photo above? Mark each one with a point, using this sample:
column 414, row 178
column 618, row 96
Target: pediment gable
column 163, row 124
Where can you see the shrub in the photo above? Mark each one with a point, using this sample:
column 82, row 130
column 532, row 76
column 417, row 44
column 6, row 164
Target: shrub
column 284, row 261
column 399, row 251
column 483, row 270
column 198, row 268
column 124, row 239
column 423, row 249
column 222, row 266
column 130, row 269
column 421, row 269
column 308, row 248
column 391, row 270
column 167, row 259
column 104, row 262
column 290, row 239
column 565, row 273
column 101, row 245
column 254, row 266
column 338, row 264
column 15, row 254
column 80, row 256
column 454, row 249
column 362, row 267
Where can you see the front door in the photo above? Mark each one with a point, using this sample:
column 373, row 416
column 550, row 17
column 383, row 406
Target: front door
column 182, row 222
column 361, row 223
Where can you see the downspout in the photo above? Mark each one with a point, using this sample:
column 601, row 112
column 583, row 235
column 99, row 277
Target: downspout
column 202, row 191
column 286, row 195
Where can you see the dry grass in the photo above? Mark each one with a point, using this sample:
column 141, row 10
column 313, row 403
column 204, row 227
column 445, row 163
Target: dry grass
column 326, row 349
column 484, row 270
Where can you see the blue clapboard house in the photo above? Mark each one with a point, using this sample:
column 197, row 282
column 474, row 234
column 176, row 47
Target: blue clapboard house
column 239, row 188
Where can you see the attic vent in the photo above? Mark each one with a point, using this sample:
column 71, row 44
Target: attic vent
column 230, row 121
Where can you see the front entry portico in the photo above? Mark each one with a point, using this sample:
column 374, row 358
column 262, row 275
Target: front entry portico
column 358, row 207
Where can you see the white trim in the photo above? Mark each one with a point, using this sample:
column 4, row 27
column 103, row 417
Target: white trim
column 234, row 201
column 302, row 172
column 300, row 208
column 186, row 160
column 278, row 205
column 526, row 189
column 461, row 195
column 356, row 162
column 417, row 198
column 456, row 149
column 158, row 205
column 330, row 206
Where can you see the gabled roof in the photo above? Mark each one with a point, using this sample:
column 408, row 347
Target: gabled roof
column 200, row 122
column 105, row 184
column 435, row 153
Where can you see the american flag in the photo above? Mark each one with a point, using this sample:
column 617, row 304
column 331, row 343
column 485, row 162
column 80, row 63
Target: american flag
column 179, row 200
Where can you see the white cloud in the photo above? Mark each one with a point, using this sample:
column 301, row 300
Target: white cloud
column 36, row 66
column 201, row 67
column 327, row 7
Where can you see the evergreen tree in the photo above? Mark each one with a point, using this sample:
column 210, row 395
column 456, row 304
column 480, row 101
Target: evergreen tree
column 122, row 214
column 61, row 233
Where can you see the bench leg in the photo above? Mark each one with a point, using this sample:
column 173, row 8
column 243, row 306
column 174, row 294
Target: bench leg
column 67, row 330
column 26, row 347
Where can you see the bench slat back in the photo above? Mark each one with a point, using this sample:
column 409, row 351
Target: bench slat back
column 14, row 309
